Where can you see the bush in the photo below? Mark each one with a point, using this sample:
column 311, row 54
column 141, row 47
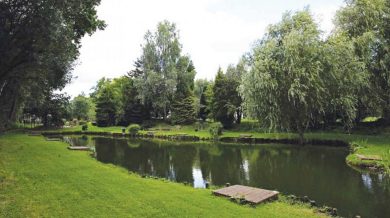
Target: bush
column 84, row 127
column 216, row 130
column 133, row 129
column 147, row 124
column 82, row 123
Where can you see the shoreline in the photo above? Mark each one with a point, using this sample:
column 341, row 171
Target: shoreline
column 352, row 160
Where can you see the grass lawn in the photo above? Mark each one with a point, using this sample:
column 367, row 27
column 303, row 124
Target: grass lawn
column 377, row 145
column 41, row 178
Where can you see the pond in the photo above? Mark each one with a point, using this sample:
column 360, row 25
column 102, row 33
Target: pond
column 317, row 172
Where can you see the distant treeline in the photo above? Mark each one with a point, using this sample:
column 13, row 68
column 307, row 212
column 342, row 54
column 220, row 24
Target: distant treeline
column 294, row 78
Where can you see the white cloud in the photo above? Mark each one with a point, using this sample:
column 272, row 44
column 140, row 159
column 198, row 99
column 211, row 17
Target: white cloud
column 212, row 38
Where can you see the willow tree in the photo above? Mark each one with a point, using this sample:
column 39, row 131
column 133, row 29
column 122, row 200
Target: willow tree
column 367, row 23
column 346, row 80
column 284, row 87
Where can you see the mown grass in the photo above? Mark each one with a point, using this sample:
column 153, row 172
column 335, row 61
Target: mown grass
column 377, row 145
column 41, row 178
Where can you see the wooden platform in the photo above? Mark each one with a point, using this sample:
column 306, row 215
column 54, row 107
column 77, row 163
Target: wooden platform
column 79, row 148
column 250, row 194
column 54, row 139
column 368, row 157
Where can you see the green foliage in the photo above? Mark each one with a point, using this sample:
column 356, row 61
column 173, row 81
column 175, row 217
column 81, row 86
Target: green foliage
column 134, row 129
column 106, row 108
column 163, row 76
column 52, row 109
column 182, row 106
column 215, row 130
column 226, row 101
column 39, row 41
column 367, row 23
column 345, row 79
column 203, row 109
column 158, row 81
column 285, row 88
column 183, row 111
column 146, row 124
column 81, row 107
column 84, row 127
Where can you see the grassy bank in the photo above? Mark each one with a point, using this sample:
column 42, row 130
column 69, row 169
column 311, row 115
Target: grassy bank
column 41, row 178
column 375, row 146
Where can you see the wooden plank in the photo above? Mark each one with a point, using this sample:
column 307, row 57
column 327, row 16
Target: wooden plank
column 79, row 148
column 369, row 157
column 249, row 194
column 53, row 139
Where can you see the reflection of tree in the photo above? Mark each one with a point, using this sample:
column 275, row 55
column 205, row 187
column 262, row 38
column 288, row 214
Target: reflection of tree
column 205, row 162
column 320, row 173
column 77, row 140
column 120, row 147
column 105, row 151
column 182, row 162
column 228, row 167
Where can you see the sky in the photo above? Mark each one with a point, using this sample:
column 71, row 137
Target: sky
column 214, row 33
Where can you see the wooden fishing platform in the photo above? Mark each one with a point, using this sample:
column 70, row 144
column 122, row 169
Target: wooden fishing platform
column 54, row 139
column 79, row 148
column 249, row 194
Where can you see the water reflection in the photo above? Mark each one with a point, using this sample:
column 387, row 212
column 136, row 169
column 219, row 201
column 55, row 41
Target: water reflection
column 318, row 172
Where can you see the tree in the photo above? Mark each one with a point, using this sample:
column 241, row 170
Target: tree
column 203, row 111
column 160, row 54
column 233, row 76
column 346, row 80
column 161, row 71
column 201, row 98
column 39, row 41
column 221, row 107
column 183, row 111
column 106, row 107
column 367, row 23
column 51, row 108
column 80, row 107
column 134, row 110
column 284, row 87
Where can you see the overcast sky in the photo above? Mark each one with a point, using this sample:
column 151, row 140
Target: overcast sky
column 213, row 32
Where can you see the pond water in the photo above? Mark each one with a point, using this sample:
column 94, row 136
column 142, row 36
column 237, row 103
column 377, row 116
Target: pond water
column 318, row 172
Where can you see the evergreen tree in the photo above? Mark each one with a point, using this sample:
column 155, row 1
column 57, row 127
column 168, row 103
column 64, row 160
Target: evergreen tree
column 183, row 110
column 203, row 109
column 136, row 112
column 221, row 107
column 105, row 108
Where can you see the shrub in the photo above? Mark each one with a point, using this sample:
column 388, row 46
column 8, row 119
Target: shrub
column 147, row 124
column 216, row 130
column 133, row 129
column 82, row 123
column 84, row 127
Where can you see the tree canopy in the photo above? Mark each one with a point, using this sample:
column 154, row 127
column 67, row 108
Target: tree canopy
column 39, row 41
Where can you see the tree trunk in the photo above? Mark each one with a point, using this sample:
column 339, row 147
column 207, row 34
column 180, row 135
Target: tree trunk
column 301, row 138
column 239, row 115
